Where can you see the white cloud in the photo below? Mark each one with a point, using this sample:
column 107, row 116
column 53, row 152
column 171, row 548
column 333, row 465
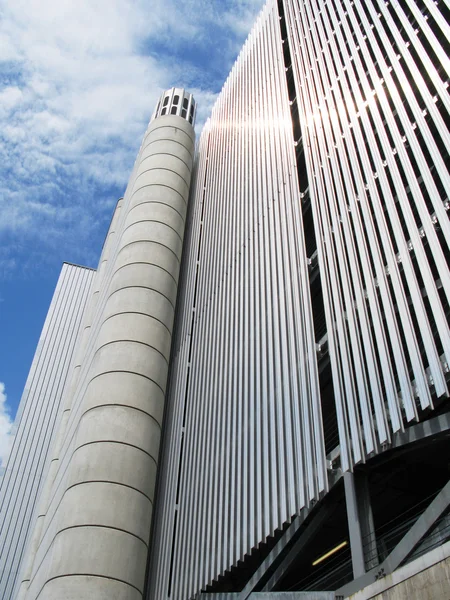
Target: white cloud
column 6, row 424
column 10, row 97
column 78, row 82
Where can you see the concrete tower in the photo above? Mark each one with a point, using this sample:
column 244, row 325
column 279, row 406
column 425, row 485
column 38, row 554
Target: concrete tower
column 92, row 529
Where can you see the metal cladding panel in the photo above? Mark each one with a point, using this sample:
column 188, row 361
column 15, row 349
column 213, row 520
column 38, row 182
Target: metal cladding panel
column 372, row 91
column 244, row 447
column 36, row 418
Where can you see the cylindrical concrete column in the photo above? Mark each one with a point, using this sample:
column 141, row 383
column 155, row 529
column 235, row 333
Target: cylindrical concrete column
column 83, row 338
column 96, row 534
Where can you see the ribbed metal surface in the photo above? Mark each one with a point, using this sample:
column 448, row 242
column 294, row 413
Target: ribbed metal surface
column 244, row 443
column 245, row 429
column 371, row 81
column 36, row 418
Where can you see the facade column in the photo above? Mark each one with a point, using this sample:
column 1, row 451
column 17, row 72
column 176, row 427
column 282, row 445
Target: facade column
column 360, row 523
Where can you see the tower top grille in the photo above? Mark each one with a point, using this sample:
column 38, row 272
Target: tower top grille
column 176, row 101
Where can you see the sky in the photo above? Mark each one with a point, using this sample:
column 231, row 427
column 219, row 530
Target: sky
column 78, row 83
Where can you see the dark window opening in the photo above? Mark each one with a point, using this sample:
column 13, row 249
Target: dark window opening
column 166, row 101
column 176, row 99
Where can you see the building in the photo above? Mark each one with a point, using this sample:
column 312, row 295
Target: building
column 91, row 524
column 37, row 418
column 313, row 336
column 304, row 365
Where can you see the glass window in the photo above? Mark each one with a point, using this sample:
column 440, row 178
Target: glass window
column 175, row 99
column 192, row 110
column 173, row 110
column 164, row 110
column 190, row 119
column 183, row 113
column 166, row 100
column 185, row 103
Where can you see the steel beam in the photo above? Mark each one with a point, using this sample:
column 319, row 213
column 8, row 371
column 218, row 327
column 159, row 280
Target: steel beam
column 354, row 525
column 310, row 531
column 274, row 554
column 273, row 596
column 366, row 520
column 406, row 545
column 423, row 524
column 421, row 431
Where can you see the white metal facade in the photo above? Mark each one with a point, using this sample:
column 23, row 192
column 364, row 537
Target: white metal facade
column 249, row 416
column 244, row 435
column 372, row 89
column 37, row 418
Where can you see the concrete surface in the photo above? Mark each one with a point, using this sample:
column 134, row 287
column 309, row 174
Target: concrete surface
column 426, row 578
column 92, row 541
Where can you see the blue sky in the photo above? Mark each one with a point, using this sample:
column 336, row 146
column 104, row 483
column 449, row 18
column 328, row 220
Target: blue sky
column 78, row 83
